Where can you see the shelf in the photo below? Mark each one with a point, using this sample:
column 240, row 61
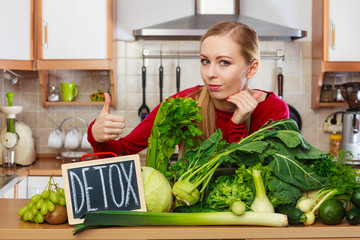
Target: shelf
column 44, row 86
column 333, row 104
column 340, row 66
column 74, row 103
column 80, row 64
column 17, row 64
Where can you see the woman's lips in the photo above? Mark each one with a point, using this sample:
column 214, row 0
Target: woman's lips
column 214, row 87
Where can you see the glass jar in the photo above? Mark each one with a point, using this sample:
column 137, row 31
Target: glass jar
column 53, row 94
column 335, row 144
column 326, row 94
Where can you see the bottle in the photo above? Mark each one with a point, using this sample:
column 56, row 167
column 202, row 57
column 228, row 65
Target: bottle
column 53, row 94
column 335, row 144
column 326, row 94
column 338, row 97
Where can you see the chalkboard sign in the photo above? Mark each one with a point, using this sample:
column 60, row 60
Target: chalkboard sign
column 103, row 185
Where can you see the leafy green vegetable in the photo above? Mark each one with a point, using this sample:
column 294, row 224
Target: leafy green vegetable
column 175, row 121
column 286, row 148
column 294, row 172
column 199, row 170
column 342, row 177
column 276, row 144
column 227, row 190
column 282, row 193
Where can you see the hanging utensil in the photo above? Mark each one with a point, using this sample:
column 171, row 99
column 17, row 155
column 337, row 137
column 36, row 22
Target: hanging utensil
column 178, row 77
column 144, row 109
column 161, row 78
column 294, row 114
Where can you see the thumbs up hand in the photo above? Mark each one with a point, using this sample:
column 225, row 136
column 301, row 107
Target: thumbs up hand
column 107, row 126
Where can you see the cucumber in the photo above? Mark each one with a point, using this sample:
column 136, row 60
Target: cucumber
column 355, row 198
column 332, row 212
column 295, row 215
column 353, row 216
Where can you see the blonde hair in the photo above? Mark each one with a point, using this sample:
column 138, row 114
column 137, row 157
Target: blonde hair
column 248, row 42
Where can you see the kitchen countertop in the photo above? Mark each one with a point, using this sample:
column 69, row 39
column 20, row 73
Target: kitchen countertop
column 9, row 177
column 41, row 167
column 45, row 165
column 11, row 227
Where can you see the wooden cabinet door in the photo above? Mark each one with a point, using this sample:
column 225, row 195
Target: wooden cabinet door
column 344, row 31
column 74, row 29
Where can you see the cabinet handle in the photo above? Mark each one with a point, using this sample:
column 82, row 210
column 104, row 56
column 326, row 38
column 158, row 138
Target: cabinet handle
column 45, row 35
column 332, row 35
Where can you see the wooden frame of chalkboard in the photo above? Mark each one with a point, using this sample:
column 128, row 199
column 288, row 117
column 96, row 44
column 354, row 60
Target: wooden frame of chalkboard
column 101, row 185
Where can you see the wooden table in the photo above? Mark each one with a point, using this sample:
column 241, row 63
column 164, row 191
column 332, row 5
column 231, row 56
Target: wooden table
column 11, row 227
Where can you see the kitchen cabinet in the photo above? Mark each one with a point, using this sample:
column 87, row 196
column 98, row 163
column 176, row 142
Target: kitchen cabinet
column 74, row 35
column 17, row 35
column 18, row 191
column 344, row 37
column 72, row 28
column 29, row 186
column 57, row 34
column 37, row 184
column 335, row 41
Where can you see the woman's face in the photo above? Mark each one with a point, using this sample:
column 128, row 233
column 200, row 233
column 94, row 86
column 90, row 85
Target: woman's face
column 223, row 68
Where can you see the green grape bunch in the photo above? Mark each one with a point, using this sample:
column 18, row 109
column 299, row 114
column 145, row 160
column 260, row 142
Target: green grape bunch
column 40, row 205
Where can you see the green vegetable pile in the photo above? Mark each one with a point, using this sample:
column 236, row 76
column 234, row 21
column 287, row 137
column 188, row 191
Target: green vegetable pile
column 271, row 174
column 289, row 165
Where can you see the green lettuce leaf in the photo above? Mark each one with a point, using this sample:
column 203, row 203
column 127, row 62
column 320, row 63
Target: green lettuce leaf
column 293, row 172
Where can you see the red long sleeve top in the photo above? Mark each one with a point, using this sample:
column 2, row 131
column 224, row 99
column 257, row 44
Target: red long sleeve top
column 271, row 108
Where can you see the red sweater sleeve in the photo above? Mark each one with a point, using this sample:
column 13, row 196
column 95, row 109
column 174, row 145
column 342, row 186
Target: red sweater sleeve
column 271, row 108
column 135, row 141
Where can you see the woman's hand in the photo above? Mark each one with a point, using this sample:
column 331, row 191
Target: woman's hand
column 245, row 104
column 107, row 126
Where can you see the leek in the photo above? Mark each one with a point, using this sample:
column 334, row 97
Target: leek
column 134, row 218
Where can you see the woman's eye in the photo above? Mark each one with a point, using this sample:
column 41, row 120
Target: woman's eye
column 204, row 61
column 224, row 63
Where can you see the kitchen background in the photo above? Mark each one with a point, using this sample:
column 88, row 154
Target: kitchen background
column 128, row 62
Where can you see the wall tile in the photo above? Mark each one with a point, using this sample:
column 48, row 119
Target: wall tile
column 306, row 50
column 120, row 49
column 128, row 63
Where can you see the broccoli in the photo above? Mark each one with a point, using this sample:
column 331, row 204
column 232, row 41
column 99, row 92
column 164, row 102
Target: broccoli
column 282, row 193
column 228, row 190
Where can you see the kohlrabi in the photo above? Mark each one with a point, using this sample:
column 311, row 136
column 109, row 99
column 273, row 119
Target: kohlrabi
column 189, row 187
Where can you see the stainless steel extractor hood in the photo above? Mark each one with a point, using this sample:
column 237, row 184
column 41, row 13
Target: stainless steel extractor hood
column 193, row 27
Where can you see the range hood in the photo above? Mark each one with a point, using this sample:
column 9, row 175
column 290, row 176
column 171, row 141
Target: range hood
column 193, row 27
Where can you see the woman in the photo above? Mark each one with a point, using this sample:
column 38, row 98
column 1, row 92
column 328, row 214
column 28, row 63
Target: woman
column 230, row 56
